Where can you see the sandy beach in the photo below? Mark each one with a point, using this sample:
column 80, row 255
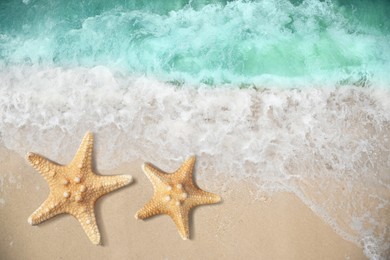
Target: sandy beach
column 244, row 225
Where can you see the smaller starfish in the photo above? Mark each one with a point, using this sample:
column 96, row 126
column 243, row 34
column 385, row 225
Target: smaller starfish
column 74, row 188
column 175, row 195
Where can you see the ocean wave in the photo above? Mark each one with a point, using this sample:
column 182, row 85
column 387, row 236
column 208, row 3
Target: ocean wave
column 210, row 42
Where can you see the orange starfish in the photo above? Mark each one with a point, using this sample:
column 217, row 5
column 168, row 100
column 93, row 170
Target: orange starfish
column 175, row 195
column 74, row 188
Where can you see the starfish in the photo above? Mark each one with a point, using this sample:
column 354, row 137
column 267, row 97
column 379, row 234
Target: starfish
column 175, row 195
column 74, row 188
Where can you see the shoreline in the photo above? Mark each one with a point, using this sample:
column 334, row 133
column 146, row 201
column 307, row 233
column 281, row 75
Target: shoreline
column 275, row 227
column 328, row 147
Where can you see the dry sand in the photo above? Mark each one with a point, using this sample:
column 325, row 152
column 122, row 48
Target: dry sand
column 278, row 227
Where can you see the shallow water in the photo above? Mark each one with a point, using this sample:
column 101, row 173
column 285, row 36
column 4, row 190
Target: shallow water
column 289, row 95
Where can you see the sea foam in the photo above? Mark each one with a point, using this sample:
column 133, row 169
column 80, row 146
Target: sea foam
column 210, row 42
column 330, row 146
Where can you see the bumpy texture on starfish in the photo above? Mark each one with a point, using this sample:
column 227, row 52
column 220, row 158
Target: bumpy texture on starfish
column 74, row 188
column 175, row 195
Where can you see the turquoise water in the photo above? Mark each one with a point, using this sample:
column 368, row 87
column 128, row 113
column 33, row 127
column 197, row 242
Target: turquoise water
column 212, row 42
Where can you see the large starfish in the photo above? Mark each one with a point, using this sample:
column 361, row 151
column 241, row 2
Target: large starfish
column 175, row 195
column 74, row 188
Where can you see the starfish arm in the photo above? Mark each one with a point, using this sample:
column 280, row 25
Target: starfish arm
column 83, row 156
column 87, row 219
column 107, row 184
column 204, row 197
column 45, row 167
column 154, row 174
column 180, row 217
column 186, row 169
column 47, row 210
column 152, row 208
